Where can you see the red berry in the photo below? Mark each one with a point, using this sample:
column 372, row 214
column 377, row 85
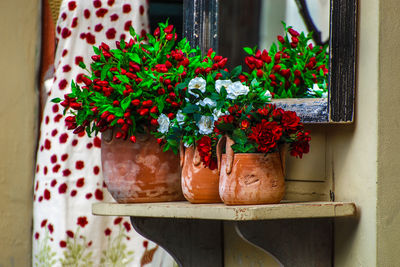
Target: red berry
column 260, row 73
column 120, row 121
column 133, row 139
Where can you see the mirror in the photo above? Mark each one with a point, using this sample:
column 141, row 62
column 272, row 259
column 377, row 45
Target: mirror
column 203, row 25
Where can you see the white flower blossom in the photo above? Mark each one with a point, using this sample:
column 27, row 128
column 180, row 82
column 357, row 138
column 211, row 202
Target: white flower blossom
column 268, row 94
column 187, row 144
column 163, row 122
column 222, row 83
column 206, row 125
column 218, row 113
column 236, row 89
column 207, row 102
column 180, row 117
column 197, row 83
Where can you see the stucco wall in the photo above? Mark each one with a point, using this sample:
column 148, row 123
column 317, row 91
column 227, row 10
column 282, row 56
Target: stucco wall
column 352, row 151
column 388, row 212
column 18, row 35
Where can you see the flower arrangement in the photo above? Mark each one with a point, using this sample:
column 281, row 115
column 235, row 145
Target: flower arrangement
column 292, row 68
column 210, row 95
column 154, row 85
column 264, row 130
column 134, row 88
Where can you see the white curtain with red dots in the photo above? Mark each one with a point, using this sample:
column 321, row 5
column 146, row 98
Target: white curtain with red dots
column 68, row 173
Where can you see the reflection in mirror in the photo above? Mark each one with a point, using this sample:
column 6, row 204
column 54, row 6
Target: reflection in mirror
column 161, row 10
column 202, row 19
column 258, row 23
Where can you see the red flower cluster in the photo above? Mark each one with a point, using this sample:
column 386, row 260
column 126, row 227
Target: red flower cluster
column 266, row 134
column 289, row 68
column 264, row 130
column 205, row 147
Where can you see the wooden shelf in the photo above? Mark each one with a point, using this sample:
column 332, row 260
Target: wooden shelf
column 186, row 210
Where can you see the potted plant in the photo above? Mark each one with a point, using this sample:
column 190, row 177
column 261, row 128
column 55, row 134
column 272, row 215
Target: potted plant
column 292, row 68
column 252, row 169
column 129, row 94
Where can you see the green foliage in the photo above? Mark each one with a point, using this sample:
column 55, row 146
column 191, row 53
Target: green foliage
column 291, row 67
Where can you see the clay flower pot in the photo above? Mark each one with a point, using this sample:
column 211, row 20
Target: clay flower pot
column 251, row 178
column 199, row 184
column 139, row 172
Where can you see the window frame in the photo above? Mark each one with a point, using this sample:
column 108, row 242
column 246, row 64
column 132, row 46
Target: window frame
column 200, row 27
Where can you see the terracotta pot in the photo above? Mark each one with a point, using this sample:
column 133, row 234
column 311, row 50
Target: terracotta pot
column 139, row 172
column 199, row 184
column 251, row 178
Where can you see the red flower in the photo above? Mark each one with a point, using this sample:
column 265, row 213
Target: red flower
column 293, row 32
column 117, row 220
column 290, row 121
column 127, row 226
column 266, row 134
column 51, row 228
column 278, row 112
column 107, row 232
column 204, row 147
column 82, row 221
column 63, row 244
column 70, row 233
column 301, row 146
column 244, row 124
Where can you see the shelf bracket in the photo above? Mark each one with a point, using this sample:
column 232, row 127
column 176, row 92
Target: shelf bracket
column 293, row 242
column 194, row 243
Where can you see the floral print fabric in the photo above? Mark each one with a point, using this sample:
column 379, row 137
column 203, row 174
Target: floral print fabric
column 68, row 172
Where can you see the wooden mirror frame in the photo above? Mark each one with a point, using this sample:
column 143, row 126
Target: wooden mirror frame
column 200, row 26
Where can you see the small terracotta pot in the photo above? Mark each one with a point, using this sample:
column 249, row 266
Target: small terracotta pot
column 251, row 178
column 139, row 172
column 199, row 184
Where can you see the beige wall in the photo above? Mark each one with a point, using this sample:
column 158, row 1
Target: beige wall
column 388, row 212
column 353, row 151
column 18, row 35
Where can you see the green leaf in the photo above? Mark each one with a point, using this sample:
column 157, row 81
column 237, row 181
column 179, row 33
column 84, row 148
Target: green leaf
column 82, row 65
column 160, row 104
column 248, row 50
column 104, row 72
column 96, row 50
column 236, row 71
column 135, row 58
column 56, row 100
column 137, row 93
column 239, row 136
column 126, row 102
column 190, row 109
column 132, row 31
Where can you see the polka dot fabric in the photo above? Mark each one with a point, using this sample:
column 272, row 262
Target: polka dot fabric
column 68, row 172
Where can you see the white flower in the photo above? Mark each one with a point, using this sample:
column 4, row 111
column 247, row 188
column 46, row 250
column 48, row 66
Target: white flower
column 197, row 83
column 207, row 102
column 206, row 125
column 236, row 89
column 163, row 121
column 267, row 94
column 180, row 117
column 222, row 83
column 218, row 113
column 324, row 95
column 187, row 144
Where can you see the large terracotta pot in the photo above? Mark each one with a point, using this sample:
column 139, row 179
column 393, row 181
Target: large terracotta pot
column 139, row 172
column 251, row 178
column 199, row 184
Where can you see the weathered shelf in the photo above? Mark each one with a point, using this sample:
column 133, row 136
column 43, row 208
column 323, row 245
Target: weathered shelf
column 186, row 210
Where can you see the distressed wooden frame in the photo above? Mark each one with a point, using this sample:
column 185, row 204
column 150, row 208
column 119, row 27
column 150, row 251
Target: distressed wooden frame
column 200, row 26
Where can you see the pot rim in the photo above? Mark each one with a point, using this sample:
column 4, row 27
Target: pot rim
column 253, row 154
